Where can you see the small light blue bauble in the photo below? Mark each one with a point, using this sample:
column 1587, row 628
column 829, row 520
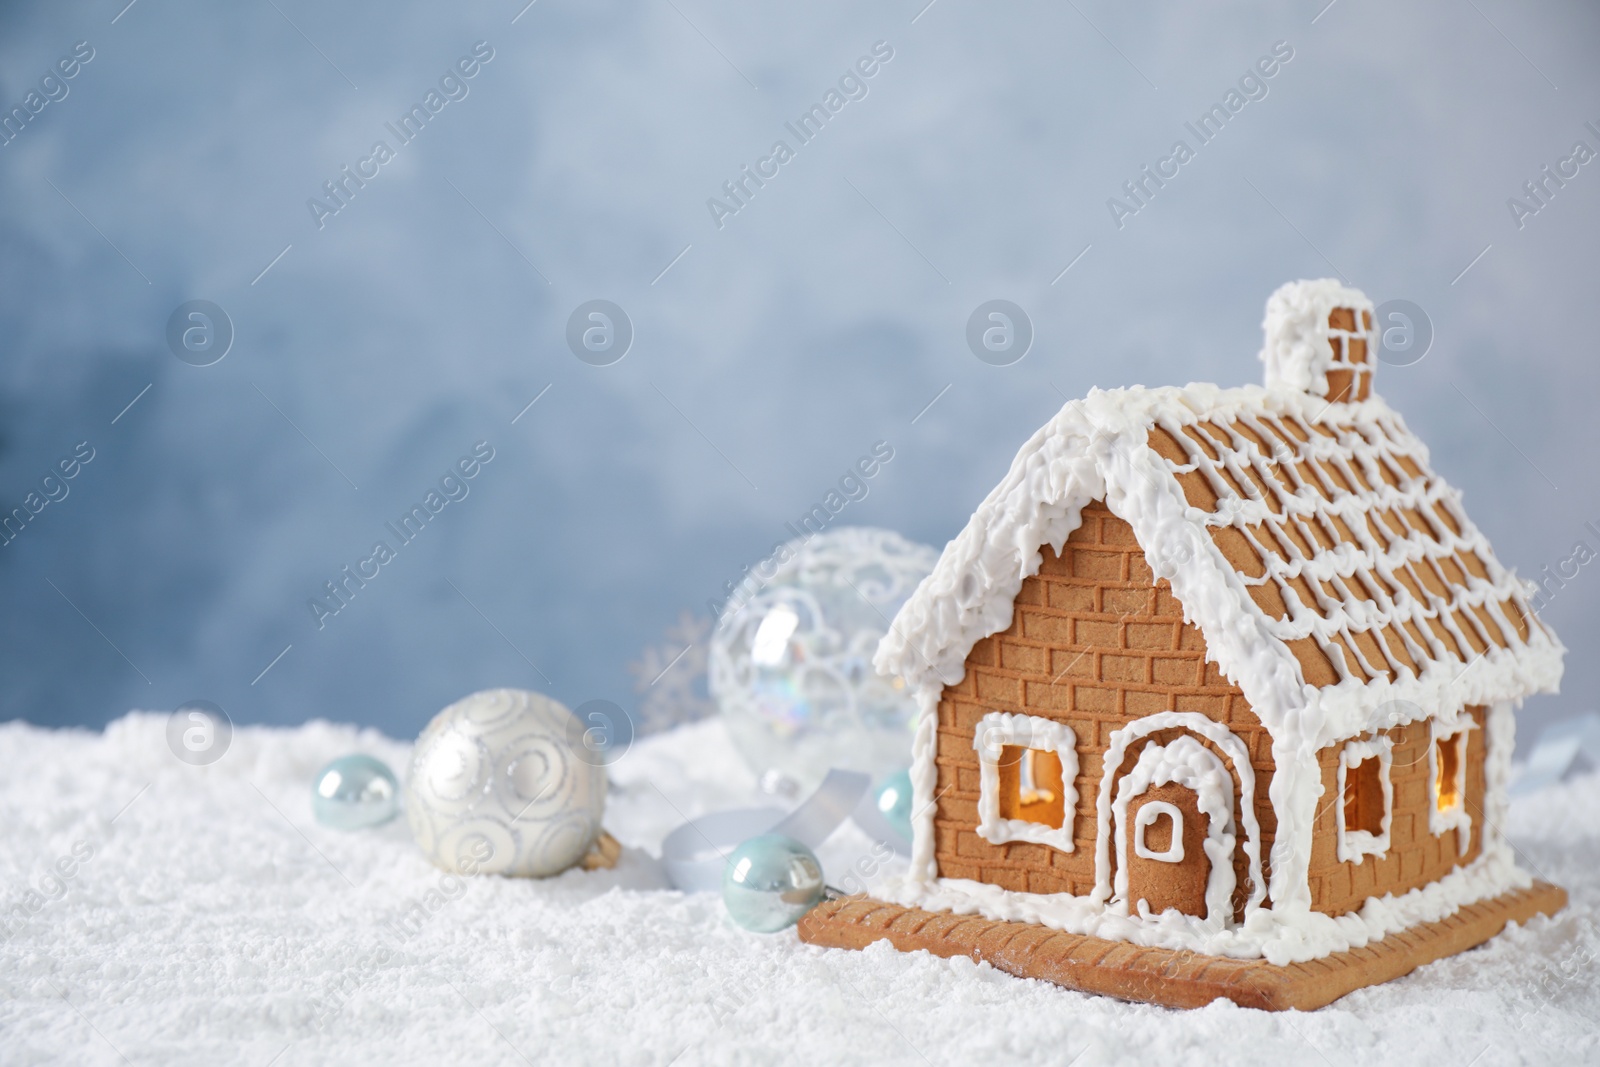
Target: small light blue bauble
column 355, row 792
column 894, row 801
column 770, row 882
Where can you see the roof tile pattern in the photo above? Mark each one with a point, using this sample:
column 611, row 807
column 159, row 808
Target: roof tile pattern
column 1357, row 553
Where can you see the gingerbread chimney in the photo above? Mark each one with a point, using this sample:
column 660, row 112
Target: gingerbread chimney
column 1320, row 340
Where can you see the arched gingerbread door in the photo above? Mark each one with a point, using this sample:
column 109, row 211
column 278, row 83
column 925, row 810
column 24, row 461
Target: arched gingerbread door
column 1167, row 862
column 1173, row 824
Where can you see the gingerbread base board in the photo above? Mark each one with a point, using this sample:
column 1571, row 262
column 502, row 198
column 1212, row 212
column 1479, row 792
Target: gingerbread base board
column 1163, row 976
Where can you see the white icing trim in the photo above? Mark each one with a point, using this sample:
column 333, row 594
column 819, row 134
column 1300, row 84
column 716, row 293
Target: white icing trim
column 1187, row 763
column 1147, row 816
column 1269, row 934
column 998, row 729
column 1357, row 845
column 1106, row 810
column 924, row 779
column 1500, row 729
column 1456, row 817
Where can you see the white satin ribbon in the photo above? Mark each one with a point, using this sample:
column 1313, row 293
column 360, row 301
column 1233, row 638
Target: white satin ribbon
column 693, row 855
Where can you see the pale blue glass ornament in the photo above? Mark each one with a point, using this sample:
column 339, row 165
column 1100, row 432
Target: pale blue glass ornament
column 894, row 802
column 355, row 792
column 770, row 882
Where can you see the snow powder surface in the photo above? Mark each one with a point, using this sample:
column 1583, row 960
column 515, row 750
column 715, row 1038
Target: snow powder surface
column 214, row 921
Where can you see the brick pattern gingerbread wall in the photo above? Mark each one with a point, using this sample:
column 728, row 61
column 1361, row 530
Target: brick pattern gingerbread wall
column 1095, row 642
column 1415, row 857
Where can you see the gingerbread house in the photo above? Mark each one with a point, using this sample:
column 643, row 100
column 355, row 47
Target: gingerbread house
column 1217, row 694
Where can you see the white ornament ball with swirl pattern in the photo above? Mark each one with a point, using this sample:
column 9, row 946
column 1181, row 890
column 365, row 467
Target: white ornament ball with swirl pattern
column 500, row 783
column 791, row 658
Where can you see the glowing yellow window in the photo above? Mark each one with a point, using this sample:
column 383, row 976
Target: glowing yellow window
column 1030, row 786
column 1447, row 771
column 1447, row 784
column 1027, row 779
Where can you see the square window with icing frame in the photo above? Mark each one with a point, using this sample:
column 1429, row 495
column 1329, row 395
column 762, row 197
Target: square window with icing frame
column 1366, row 798
column 1447, row 781
column 1028, row 769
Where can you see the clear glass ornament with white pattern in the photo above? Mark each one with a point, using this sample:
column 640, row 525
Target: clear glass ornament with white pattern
column 791, row 657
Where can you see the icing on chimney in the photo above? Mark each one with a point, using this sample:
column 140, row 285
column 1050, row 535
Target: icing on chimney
column 1320, row 340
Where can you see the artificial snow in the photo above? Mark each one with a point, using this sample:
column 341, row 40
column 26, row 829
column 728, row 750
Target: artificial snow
column 207, row 918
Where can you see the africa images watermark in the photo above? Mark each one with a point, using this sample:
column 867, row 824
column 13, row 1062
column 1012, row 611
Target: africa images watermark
column 853, row 486
column 452, row 487
column 1541, row 190
column 1553, row 579
column 1252, row 86
column 53, row 489
column 50, row 887
column 852, row 85
column 53, row 89
column 453, row 86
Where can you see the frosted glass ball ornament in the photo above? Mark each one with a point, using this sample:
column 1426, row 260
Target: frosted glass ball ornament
column 771, row 881
column 355, row 792
column 790, row 663
column 499, row 785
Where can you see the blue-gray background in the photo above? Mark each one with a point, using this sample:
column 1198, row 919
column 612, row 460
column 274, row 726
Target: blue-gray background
column 821, row 318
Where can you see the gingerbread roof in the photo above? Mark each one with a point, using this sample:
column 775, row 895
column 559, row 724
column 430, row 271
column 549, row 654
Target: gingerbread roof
column 1332, row 572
